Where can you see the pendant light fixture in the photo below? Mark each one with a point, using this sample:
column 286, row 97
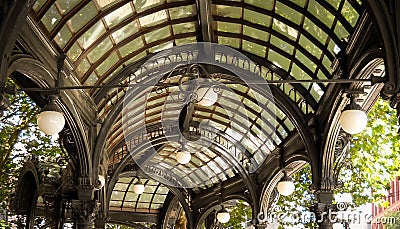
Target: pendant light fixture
column 353, row 119
column 285, row 185
column 223, row 215
column 206, row 96
column 138, row 187
column 183, row 156
column 51, row 120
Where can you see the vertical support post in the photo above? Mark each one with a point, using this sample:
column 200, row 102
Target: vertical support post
column 324, row 210
column 84, row 212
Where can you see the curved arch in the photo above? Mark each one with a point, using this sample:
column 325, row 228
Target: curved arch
column 26, row 193
column 42, row 77
column 267, row 197
column 214, row 206
column 362, row 68
column 386, row 22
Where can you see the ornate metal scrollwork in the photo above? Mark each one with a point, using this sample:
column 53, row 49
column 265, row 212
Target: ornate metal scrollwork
column 85, row 211
column 341, row 159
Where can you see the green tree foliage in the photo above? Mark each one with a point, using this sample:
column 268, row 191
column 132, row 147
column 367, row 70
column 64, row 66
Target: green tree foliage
column 374, row 155
column 291, row 210
column 20, row 136
column 392, row 220
column 374, row 159
column 240, row 213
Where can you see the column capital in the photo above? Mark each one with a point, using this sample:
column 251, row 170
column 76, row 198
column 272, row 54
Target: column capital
column 84, row 212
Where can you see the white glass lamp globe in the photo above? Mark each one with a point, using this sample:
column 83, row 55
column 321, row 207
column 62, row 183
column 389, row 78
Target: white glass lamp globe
column 138, row 187
column 183, row 157
column 206, row 96
column 100, row 182
column 51, row 122
column 285, row 186
column 353, row 121
column 223, row 216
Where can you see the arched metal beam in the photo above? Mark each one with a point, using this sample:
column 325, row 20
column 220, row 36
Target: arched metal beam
column 386, row 19
column 365, row 59
column 43, row 77
column 215, row 205
column 11, row 21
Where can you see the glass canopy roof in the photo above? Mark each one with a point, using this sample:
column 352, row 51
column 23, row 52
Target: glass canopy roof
column 123, row 197
column 288, row 39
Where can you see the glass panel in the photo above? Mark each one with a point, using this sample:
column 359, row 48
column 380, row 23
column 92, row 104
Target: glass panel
column 265, row 4
column 255, row 33
column 350, row 13
column 38, row 5
column 229, row 27
column 229, row 11
column 321, row 13
column 100, row 50
column 288, row 13
column 315, row 31
column 157, row 35
column 125, row 32
column 301, row 3
column 92, row 79
column 299, row 74
column 115, row 203
column 184, row 28
column 334, row 3
column 161, row 47
column 184, row 41
column 282, row 45
column 257, row 18
column 307, row 62
column 278, row 60
column 143, row 205
column 316, row 92
column 310, row 47
column 142, row 5
column 74, row 52
column 66, row 6
column 251, row 47
column 51, row 18
column 333, row 48
column 106, row 3
column 340, row 31
column 83, row 67
column 327, row 64
column 117, row 195
column 285, row 29
column 131, row 47
column 159, row 198
column 137, row 57
column 83, row 16
column 118, row 15
column 63, row 37
column 181, row 12
column 129, row 204
column 107, row 64
column 153, row 19
column 321, row 75
column 92, row 34
column 232, row 42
